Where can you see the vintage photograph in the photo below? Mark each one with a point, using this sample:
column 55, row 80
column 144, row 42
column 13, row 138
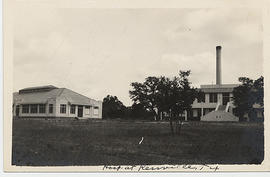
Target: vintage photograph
column 145, row 88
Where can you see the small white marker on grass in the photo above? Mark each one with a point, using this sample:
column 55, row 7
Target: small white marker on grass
column 141, row 141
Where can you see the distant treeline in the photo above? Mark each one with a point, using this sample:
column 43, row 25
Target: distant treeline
column 161, row 97
column 154, row 97
column 114, row 108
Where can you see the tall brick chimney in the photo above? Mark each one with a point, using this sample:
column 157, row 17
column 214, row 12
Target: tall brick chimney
column 218, row 65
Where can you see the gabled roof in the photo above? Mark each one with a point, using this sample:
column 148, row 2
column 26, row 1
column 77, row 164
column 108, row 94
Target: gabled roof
column 39, row 97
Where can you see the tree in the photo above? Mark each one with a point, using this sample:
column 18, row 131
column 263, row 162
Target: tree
column 112, row 107
column 246, row 95
column 177, row 96
column 146, row 94
column 169, row 97
column 137, row 111
column 162, row 94
column 259, row 91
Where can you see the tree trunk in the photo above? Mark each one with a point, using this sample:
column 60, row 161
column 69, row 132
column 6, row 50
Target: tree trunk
column 179, row 126
column 155, row 114
column 158, row 115
column 171, row 125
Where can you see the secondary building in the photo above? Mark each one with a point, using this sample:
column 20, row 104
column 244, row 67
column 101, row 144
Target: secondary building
column 217, row 103
column 52, row 102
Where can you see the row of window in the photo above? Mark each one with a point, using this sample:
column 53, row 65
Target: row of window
column 213, row 98
column 41, row 108
column 63, row 109
column 36, row 108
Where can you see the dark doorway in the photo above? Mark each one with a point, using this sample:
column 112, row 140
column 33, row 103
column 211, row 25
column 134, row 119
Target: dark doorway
column 199, row 110
column 17, row 110
column 225, row 98
column 80, row 111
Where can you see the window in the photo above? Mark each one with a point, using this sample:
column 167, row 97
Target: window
column 42, row 108
column 33, row 108
column 87, row 109
column 213, row 97
column 63, row 108
column 72, row 109
column 25, row 108
column 96, row 110
column 195, row 113
column 225, row 98
column 201, row 98
column 50, row 108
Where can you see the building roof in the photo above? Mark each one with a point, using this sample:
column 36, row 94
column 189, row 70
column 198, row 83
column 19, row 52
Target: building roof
column 37, row 89
column 36, row 97
column 40, row 87
column 76, row 98
column 218, row 88
column 43, row 95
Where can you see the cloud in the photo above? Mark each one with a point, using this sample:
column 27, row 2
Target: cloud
column 101, row 51
column 201, row 66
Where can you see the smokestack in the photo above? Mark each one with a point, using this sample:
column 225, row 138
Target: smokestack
column 218, row 65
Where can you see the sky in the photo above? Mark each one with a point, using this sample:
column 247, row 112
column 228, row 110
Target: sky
column 97, row 52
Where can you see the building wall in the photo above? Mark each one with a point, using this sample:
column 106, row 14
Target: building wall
column 219, row 98
column 53, row 102
column 207, row 103
column 62, row 100
column 199, row 109
column 92, row 113
column 204, row 105
column 87, row 113
column 95, row 113
column 46, row 114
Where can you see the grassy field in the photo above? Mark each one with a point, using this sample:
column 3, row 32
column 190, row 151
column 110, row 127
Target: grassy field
column 92, row 142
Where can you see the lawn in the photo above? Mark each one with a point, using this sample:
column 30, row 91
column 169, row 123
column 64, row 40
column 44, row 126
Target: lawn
column 114, row 142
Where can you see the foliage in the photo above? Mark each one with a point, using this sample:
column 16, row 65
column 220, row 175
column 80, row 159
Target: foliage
column 250, row 92
column 146, row 94
column 162, row 94
column 112, row 107
column 137, row 111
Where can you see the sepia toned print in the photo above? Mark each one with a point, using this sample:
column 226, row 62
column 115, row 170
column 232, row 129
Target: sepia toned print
column 137, row 90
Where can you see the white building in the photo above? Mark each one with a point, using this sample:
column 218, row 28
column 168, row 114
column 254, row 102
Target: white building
column 51, row 102
column 217, row 104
